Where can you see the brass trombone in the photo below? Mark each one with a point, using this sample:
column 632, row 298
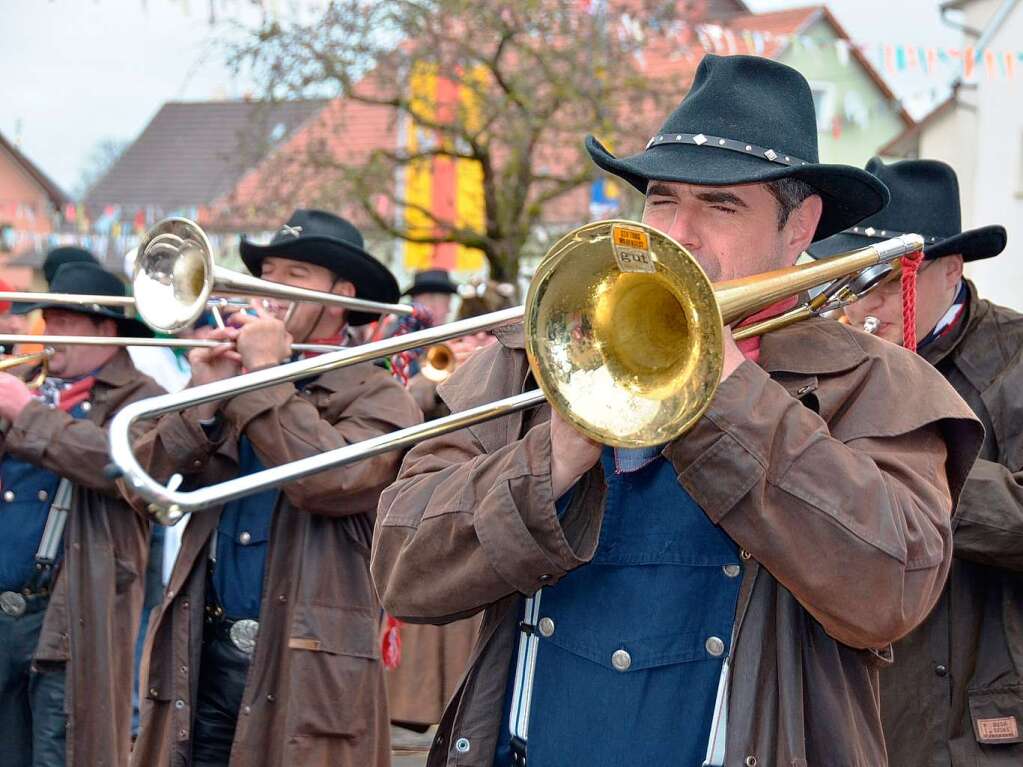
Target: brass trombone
column 175, row 279
column 623, row 334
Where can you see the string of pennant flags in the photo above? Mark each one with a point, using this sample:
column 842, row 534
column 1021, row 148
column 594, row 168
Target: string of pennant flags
column 890, row 57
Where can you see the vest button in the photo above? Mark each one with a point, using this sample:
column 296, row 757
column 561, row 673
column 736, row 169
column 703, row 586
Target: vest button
column 42, row 495
column 9, row 495
column 621, row 660
column 546, row 626
column 751, row 761
column 245, row 538
column 732, row 570
column 179, row 704
column 714, row 646
column 86, row 407
column 462, row 745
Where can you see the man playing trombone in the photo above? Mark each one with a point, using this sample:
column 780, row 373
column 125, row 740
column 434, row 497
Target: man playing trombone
column 265, row 651
column 726, row 598
column 73, row 553
column 955, row 693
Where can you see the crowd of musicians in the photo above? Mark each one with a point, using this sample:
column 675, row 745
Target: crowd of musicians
column 824, row 571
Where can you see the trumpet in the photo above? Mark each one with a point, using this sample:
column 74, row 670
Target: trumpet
column 438, row 363
column 41, row 358
column 624, row 335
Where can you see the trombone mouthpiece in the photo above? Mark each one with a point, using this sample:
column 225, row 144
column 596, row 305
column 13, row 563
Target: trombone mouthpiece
column 899, row 246
column 871, row 324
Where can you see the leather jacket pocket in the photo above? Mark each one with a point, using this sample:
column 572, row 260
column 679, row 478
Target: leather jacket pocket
column 335, row 674
column 997, row 714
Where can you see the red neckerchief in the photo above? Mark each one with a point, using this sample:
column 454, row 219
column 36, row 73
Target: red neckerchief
column 341, row 339
column 750, row 347
column 76, row 393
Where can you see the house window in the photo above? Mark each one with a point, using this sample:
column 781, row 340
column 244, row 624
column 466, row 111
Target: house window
column 824, row 97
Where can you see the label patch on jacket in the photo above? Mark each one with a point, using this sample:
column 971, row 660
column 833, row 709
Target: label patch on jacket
column 997, row 730
column 301, row 643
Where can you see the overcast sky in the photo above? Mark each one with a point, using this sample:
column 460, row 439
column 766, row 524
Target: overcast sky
column 78, row 72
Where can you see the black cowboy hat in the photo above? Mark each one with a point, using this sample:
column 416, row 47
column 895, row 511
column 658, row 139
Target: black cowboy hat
column 66, row 254
column 925, row 201
column 321, row 238
column 89, row 278
column 431, row 281
column 748, row 120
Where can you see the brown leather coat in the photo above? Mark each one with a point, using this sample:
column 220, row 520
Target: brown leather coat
column 955, row 693
column 835, row 480
column 315, row 692
column 93, row 616
column 433, row 658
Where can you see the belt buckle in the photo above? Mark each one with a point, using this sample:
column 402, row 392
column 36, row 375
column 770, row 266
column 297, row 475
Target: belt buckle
column 243, row 635
column 13, row 604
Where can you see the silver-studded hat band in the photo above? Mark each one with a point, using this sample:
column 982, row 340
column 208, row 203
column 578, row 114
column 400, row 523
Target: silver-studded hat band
column 887, row 234
column 753, row 150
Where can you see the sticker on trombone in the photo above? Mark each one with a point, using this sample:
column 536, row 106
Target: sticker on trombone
column 632, row 249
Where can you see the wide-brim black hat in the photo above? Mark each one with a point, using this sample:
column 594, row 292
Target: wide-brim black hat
column 432, row 281
column 89, row 278
column 925, row 201
column 66, row 254
column 321, row 238
column 748, row 120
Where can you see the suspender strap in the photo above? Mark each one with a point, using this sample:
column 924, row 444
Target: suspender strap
column 56, row 519
column 522, row 691
column 53, row 533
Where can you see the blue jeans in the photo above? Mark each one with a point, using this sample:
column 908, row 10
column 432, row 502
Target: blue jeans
column 32, row 717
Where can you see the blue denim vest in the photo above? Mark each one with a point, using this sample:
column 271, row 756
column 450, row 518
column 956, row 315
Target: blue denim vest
column 631, row 651
column 26, row 492
column 243, row 537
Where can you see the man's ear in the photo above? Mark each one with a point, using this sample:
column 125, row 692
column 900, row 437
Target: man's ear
column 341, row 288
column 344, row 288
column 953, row 270
column 106, row 327
column 802, row 224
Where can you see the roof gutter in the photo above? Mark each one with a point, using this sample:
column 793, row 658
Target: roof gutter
column 984, row 36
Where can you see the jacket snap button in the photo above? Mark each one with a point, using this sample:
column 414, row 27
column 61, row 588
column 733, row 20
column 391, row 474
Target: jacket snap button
column 86, row 407
column 941, row 670
column 732, row 570
column 9, row 496
column 179, row 704
column 153, row 692
column 462, row 745
column 803, row 390
column 714, row 646
column 621, row 660
column 546, row 626
column 751, row 761
column 182, row 734
column 544, row 578
column 743, row 554
column 247, row 710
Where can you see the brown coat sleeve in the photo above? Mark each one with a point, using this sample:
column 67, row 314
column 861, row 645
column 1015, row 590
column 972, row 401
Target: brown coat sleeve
column 988, row 522
column 858, row 530
column 285, row 426
column 463, row 527
column 75, row 448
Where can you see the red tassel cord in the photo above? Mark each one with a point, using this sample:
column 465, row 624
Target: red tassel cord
column 390, row 644
column 910, row 266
